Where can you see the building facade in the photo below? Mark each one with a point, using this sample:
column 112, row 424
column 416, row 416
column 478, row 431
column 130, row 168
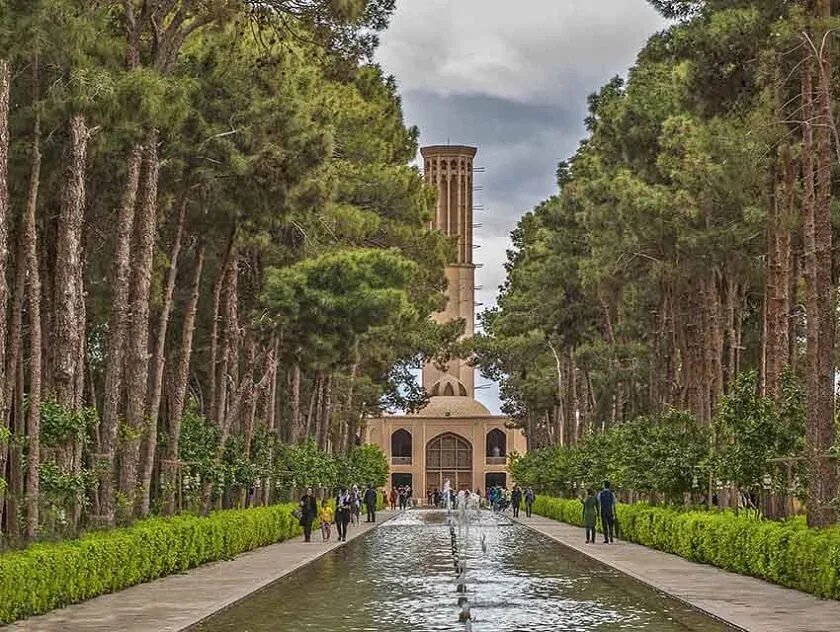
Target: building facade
column 454, row 437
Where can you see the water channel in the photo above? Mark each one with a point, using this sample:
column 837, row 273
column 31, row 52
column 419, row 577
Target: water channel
column 400, row 577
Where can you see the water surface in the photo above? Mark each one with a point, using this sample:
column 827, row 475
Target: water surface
column 401, row 578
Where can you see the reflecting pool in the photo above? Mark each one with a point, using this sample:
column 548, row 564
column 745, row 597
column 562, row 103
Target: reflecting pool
column 401, row 577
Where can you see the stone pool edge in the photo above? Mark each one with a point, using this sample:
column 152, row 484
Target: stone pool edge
column 285, row 572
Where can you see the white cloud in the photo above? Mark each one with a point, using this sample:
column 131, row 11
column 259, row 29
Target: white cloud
column 529, row 50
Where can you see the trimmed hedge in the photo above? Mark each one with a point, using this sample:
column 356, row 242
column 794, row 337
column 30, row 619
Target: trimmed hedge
column 785, row 553
column 51, row 575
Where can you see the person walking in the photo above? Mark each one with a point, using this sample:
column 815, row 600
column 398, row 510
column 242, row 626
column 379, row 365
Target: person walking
column 342, row 513
column 529, row 501
column 516, row 500
column 355, row 505
column 326, row 517
column 370, row 503
column 590, row 515
column 308, row 513
column 393, row 499
column 606, row 502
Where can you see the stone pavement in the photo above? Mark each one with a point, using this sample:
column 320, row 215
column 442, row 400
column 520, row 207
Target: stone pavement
column 177, row 602
column 744, row 602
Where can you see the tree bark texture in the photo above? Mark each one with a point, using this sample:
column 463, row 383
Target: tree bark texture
column 181, row 378
column 5, row 90
column 33, row 424
column 67, row 327
column 116, row 338
column 137, row 350
column 295, row 399
column 158, row 362
column 778, row 268
column 822, row 471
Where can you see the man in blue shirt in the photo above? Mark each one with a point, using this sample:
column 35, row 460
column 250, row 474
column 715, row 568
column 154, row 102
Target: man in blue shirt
column 606, row 500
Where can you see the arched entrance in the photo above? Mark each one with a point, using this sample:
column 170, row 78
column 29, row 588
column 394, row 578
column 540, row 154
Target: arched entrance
column 449, row 457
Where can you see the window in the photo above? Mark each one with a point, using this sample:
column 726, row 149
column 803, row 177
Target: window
column 496, row 444
column 449, row 458
column 401, row 443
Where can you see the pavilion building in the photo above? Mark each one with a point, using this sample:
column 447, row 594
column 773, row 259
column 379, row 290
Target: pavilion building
column 454, row 437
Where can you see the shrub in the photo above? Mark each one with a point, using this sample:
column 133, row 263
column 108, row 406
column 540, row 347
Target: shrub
column 52, row 575
column 785, row 553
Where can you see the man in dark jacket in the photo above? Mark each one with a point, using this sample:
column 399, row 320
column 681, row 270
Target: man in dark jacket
column 308, row 512
column 606, row 501
column 516, row 500
column 529, row 501
column 370, row 503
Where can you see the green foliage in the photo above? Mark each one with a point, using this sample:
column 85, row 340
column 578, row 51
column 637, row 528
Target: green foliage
column 52, row 575
column 750, row 430
column 60, row 426
column 366, row 465
column 673, row 454
column 785, row 553
column 306, row 465
column 666, row 454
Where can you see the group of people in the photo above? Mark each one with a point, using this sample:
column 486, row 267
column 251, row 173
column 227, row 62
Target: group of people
column 500, row 498
column 348, row 504
column 400, row 496
column 600, row 505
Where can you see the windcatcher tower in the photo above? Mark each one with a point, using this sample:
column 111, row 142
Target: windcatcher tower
column 449, row 168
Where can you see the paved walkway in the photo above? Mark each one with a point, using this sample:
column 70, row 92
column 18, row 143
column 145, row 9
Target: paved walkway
column 177, row 602
column 747, row 603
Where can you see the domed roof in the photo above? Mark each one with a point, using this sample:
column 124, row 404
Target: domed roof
column 442, row 406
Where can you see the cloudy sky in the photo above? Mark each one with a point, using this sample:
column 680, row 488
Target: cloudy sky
column 510, row 77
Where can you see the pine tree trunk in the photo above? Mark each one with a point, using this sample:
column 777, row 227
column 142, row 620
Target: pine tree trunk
column 67, row 327
column 5, row 90
column 321, row 383
column 214, row 333
column 15, row 343
column 295, row 397
column 732, row 348
column 570, row 430
column 16, row 474
column 271, row 415
column 158, row 363
column 137, row 349
column 350, row 415
column 310, row 411
column 820, row 435
column 794, row 319
column 778, row 284
column 327, row 412
column 116, row 340
column 179, row 389
column 33, row 428
column 716, row 329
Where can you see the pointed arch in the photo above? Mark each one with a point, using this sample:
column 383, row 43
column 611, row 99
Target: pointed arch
column 496, row 443
column 401, row 443
column 449, row 457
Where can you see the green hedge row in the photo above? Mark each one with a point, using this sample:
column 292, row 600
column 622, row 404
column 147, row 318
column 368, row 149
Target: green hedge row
column 785, row 553
column 52, row 575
